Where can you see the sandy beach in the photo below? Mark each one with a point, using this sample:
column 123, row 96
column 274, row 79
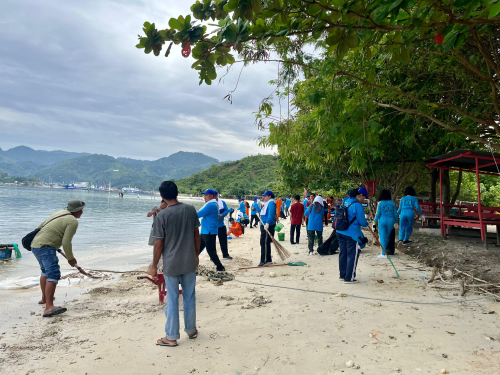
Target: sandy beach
column 112, row 327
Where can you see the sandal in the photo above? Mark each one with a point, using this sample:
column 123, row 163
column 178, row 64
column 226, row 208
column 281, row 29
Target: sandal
column 163, row 343
column 55, row 311
column 193, row 336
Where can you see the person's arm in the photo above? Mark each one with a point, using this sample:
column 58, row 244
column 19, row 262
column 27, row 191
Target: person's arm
column 377, row 215
column 157, row 250
column 418, row 207
column 197, row 245
column 226, row 210
column 360, row 215
column 69, row 232
column 155, row 211
column 307, row 212
column 204, row 211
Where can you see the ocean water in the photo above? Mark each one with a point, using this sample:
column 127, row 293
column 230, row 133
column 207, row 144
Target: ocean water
column 112, row 234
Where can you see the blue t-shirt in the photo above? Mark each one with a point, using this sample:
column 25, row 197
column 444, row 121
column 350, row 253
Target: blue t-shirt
column 242, row 207
column 210, row 217
column 315, row 219
column 270, row 216
column 223, row 212
column 386, row 209
column 256, row 208
column 356, row 210
column 408, row 204
column 288, row 202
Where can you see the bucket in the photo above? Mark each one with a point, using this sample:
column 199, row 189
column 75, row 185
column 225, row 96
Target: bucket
column 5, row 254
column 278, row 227
column 281, row 236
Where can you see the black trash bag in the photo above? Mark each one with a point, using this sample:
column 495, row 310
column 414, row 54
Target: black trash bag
column 391, row 246
column 330, row 246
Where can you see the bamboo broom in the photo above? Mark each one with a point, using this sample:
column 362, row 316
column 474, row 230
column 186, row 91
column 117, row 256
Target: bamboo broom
column 280, row 249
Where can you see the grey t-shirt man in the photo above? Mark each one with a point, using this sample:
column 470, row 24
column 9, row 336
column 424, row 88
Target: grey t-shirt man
column 175, row 226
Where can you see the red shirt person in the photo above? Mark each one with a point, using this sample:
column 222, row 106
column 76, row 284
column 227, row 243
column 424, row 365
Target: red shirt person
column 297, row 212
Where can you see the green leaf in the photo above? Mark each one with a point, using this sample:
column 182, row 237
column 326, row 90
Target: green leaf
column 452, row 37
column 405, row 55
column 495, row 9
column 139, row 45
column 338, row 3
column 352, row 40
column 461, row 3
column 175, row 24
column 256, row 6
column 163, row 33
column 229, row 34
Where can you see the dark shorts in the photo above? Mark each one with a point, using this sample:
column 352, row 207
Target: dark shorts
column 49, row 263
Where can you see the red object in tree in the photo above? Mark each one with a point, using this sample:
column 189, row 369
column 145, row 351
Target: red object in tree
column 439, row 38
column 186, row 51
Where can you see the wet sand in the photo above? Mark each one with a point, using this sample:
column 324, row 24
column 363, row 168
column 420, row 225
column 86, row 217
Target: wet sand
column 113, row 327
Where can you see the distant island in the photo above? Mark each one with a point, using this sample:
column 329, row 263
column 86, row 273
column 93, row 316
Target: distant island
column 193, row 171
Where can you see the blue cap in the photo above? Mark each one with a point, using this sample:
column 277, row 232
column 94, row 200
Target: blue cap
column 268, row 192
column 348, row 192
column 338, row 206
column 308, row 196
column 239, row 200
column 255, row 199
column 210, row 191
column 362, row 190
column 215, row 192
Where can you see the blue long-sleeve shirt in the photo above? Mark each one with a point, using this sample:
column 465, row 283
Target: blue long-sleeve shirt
column 287, row 203
column 270, row 216
column 210, row 217
column 223, row 212
column 356, row 210
column 409, row 203
column 315, row 219
column 255, row 209
column 386, row 209
column 242, row 208
column 305, row 204
column 344, row 200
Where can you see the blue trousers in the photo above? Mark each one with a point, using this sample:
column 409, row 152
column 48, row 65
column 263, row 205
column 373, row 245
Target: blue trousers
column 385, row 225
column 188, row 282
column 406, row 224
column 348, row 257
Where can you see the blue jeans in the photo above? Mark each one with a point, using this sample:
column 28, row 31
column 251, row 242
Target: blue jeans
column 49, row 263
column 188, row 282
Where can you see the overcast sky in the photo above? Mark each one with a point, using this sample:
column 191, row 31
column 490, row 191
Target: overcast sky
column 71, row 79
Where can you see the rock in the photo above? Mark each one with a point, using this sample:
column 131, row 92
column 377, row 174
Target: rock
column 443, row 371
column 272, row 274
column 349, row 364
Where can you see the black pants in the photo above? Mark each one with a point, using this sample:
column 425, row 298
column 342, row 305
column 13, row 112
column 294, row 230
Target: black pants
column 208, row 241
column 295, row 229
column 252, row 218
column 265, row 243
column 222, row 234
column 310, row 238
column 287, row 210
column 348, row 257
column 326, row 218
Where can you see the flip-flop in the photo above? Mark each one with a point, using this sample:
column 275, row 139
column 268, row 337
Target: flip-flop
column 43, row 303
column 193, row 336
column 163, row 343
column 55, row 311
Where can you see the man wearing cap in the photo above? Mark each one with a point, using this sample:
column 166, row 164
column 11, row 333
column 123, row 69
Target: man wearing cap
column 209, row 214
column 221, row 227
column 57, row 230
column 268, row 223
column 254, row 210
column 288, row 202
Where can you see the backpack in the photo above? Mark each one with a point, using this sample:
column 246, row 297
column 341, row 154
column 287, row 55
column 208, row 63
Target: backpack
column 247, row 205
column 341, row 219
column 28, row 239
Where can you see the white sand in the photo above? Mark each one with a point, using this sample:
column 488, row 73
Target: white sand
column 113, row 330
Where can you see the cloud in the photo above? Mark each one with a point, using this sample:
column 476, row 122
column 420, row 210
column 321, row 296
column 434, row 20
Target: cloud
column 72, row 79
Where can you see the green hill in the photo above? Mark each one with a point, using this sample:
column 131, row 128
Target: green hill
column 24, row 153
column 250, row 175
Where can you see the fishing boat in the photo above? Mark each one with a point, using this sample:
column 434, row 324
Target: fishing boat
column 131, row 190
column 78, row 186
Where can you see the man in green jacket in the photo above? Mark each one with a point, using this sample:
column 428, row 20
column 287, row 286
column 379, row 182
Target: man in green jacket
column 58, row 230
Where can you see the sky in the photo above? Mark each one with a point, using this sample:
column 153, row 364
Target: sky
column 71, row 79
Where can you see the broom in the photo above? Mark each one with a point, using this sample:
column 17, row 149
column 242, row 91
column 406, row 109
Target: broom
column 385, row 251
column 282, row 252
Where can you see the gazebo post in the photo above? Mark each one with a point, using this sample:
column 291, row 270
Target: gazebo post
column 484, row 233
column 443, row 228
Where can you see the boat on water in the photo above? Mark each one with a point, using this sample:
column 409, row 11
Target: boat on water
column 131, row 190
column 78, row 185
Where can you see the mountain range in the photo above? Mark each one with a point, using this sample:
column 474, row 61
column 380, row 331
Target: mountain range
column 68, row 167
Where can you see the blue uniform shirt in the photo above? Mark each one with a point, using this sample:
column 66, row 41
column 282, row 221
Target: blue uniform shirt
column 223, row 212
column 287, row 203
column 354, row 230
column 305, row 204
column 270, row 216
column 257, row 208
column 242, row 208
column 210, row 215
column 315, row 219
column 386, row 209
column 409, row 203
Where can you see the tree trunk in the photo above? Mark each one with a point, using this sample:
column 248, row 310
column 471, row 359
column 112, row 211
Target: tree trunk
column 434, row 177
column 446, row 190
column 457, row 190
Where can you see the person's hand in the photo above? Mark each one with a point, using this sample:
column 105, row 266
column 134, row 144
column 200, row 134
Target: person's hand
column 396, row 226
column 152, row 271
column 266, row 226
column 220, row 216
column 72, row 262
column 422, row 217
column 155, row 210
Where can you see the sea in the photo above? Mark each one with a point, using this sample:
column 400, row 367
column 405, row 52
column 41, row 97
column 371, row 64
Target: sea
column 112, row 234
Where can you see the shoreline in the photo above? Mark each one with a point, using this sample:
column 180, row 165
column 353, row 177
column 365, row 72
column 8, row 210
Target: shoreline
column 114, row 325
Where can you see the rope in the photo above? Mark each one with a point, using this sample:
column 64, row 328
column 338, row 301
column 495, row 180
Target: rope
column 369, row 298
